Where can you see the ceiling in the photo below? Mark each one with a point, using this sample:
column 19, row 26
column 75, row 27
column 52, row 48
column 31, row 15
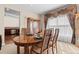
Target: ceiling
column 41, row 8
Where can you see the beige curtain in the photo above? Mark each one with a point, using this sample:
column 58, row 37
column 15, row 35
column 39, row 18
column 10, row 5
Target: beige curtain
column 72, row 23
column 45, row 21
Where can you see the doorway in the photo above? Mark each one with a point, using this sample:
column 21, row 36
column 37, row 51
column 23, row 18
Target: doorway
column 11, row 24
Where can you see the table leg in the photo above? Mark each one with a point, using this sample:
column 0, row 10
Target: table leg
column 26, row 50
column 18, row 49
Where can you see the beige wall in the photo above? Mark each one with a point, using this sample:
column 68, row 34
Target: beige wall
column 2, row 22
column 77, row 26
column 23, row 13
column 77, row 29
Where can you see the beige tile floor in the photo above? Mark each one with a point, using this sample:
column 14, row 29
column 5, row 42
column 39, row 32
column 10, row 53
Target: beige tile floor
column 63, row 48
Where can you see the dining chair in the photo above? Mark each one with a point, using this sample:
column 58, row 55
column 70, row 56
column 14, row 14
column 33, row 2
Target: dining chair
column 53, row 41
column 45, row 43
column 42, row 33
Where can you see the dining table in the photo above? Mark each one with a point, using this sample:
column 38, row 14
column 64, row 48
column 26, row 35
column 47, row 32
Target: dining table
column 25, row 41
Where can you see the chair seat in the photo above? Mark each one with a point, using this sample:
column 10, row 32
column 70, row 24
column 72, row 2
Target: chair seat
column 37, row 50
column 38, row 45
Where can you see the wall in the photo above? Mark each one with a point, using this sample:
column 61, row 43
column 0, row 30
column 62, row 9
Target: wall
column 77, row 27
column 23, row 17
column 2, row 23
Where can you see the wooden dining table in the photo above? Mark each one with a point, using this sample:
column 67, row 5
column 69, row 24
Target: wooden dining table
column 25, row 41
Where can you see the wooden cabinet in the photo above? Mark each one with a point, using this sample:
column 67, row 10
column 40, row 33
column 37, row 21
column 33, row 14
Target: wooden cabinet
column 11, row 31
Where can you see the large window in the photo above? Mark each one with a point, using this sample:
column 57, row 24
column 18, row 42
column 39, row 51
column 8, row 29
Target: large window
column 61, row 22
column 11, row 17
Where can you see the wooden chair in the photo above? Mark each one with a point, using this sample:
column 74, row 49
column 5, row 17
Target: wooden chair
column 44, row 46
column 42, row 33
column 53, row 41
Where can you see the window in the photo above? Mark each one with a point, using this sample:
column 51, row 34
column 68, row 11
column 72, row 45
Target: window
column 11, row 18
column 61, row 22
column 12, row 13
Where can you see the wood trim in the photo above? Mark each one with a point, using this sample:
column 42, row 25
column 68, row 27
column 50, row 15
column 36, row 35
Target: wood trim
column 62, row 10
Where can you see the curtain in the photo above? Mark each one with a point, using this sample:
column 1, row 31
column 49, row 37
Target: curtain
column 45, row 21
column 65, row 29
column 72, row 23
column 71, row 11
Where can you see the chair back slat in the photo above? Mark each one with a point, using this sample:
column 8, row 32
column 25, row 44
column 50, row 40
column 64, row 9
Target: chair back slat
column 56, row 35
column 52, row 34
column 46, row 39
